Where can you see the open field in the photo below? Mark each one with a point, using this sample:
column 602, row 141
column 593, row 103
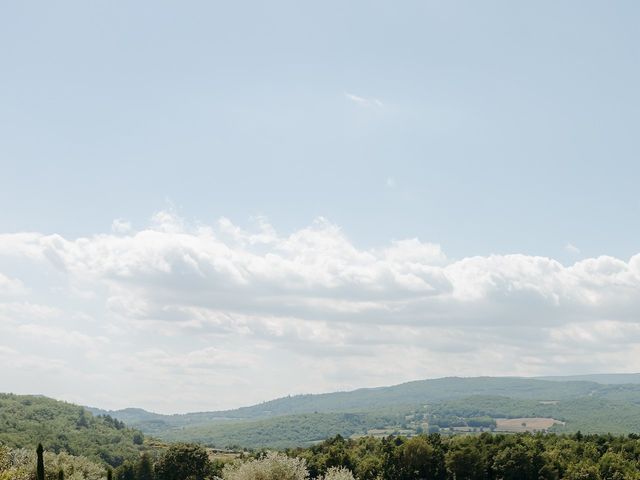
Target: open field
column 525, row 424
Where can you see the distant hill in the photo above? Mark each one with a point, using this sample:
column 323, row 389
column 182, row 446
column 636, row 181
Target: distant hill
column 603, row 378
column 26, row 420
column 281, row 432
column 449, row 403
column 405, row 394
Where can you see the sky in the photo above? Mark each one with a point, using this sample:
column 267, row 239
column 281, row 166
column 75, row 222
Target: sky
column 211, row 204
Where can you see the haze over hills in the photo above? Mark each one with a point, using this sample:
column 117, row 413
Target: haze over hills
column 604, row 378
column 409, row 393
column 601, row 404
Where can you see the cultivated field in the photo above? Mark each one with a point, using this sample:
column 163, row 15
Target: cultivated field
column 525, row 424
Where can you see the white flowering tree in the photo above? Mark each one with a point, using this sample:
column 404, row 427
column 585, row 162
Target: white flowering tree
column 338, row 473
column 273, row 466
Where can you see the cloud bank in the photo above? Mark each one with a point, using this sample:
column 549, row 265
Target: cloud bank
column 179, row 316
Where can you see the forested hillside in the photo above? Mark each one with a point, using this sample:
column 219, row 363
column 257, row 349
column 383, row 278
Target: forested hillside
column 364, row 399
column 447, row 405
column 27, row 420
column 282, row 432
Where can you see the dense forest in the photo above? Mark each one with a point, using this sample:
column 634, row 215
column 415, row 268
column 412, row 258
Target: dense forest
column 26, row 420
column 483, row 456
column 424, row 457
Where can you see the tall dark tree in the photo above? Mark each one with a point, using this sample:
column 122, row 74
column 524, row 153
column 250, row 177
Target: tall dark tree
column 83, row 421
column 144, row 469
column 126, row 471
column 138, row 438
column 40, row 464
column 60, row 474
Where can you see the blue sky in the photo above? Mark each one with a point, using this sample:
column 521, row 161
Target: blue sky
column 513, row 125
column 480, row 127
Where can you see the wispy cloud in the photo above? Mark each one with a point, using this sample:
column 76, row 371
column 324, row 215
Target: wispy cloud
column 572, row 249
column 120, row 226
column 363, row 101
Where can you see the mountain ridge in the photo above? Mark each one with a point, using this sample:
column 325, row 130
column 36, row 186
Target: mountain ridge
column 605, row 379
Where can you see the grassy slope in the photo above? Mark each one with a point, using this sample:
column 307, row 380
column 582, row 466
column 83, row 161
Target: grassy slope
column 26, row 420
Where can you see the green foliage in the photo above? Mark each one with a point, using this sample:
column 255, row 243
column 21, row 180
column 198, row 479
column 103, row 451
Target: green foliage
column 144, row 469
column 138, row 438
column 434, row 457
column 418, row 457
column 517, row 462
column 183, row 461
column 464, row 461
column 281, row 432
column 126, row 471
column 63, row 427
column 21, row 464
column 479, row 457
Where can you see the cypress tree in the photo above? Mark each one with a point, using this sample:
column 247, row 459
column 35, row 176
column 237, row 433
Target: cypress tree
column 40, row 465
column 109, row 474
column 60, row 474
column 144, row 470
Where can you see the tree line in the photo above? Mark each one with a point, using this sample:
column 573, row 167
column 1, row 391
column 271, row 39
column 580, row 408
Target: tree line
column 423, row 457
column 480, row 457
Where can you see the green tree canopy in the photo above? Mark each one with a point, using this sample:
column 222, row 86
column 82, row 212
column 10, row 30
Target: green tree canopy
column 183, row 461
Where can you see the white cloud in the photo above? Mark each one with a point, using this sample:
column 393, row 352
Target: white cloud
column 188, row 305
column 364, row 102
